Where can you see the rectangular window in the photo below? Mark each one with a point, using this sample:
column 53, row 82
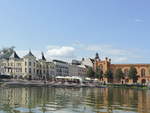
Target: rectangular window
column 30, row 70
column 37, row 71
column 25, row 63
column 29, row 63
column 34, row 70
column 20, row 69
column 25, row 69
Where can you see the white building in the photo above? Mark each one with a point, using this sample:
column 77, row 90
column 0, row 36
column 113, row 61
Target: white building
column 31, row 67
column 73, row 70
column 87, row 62
column 62, row 68
column 77, row 69
column 27, row 67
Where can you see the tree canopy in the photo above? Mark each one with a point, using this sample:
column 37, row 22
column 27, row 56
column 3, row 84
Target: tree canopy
column 119, row 74
column 90, row 72
column 98, row 73
column 6, row 52
column 133, row 74
column 109, row 75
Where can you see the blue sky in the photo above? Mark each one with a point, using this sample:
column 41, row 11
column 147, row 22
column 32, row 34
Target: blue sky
column 70, row 29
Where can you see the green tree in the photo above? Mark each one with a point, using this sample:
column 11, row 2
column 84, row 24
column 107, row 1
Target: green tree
column 109, row 75
column 133, row 74
column 6, row 52
column 99, row 73
column 119, row 74
column 90, row 72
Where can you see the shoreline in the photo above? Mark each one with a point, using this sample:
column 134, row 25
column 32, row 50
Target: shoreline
column 67, row 85
column 49, row 84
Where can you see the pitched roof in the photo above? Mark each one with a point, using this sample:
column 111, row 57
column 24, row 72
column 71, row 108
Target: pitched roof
column 14, row 55
column 92, row 60
column 29, row 54
column 59, row 61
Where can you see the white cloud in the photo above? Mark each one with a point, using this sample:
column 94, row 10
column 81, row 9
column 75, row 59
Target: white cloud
column 118, row 55
column 61, row 51
column 107, row 50
column 67, row 53
column 139, row 20
column 22, row 53
column 120, row 59
column 52, row 52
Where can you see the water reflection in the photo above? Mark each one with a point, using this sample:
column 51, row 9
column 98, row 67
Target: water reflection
column 57, row 100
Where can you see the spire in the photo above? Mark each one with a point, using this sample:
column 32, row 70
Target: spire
column 14, row 55
column 97, row 56
column 43, row 57
column 29, row 54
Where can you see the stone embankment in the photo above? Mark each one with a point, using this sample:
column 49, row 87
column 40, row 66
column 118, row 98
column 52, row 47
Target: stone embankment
column 49, row 84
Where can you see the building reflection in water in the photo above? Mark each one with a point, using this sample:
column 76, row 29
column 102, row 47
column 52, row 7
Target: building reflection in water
column 84, row 100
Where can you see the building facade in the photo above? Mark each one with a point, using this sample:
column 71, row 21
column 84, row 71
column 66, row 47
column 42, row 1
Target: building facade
column 27, row 67
column 143, row 70
column 76, row 68
column 62, row 68
column 32, row 68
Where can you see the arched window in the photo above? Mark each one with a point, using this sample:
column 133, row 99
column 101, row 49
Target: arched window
column 126, row 72
column 101, row 67
column 142, row 72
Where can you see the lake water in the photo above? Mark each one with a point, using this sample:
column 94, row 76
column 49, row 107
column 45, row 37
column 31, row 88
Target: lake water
column 80, row 100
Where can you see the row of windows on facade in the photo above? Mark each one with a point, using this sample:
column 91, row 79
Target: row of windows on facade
column 12, row 70
column 64, row 67
column 62, row 71
column 19, row 65
column 38, row 65
column 11, row 64
column 58, row 70
column 30, row 64
column 143, row 72
column 30, row 71
column 126, row 71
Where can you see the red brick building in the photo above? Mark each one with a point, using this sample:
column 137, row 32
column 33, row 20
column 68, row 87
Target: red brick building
column 143, row 70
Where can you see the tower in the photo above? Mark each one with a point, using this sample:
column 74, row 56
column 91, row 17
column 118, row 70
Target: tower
column 43, row 57
column 97, row 57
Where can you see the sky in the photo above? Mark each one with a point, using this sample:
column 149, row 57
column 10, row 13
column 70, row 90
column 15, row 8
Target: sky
column 72, row 29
